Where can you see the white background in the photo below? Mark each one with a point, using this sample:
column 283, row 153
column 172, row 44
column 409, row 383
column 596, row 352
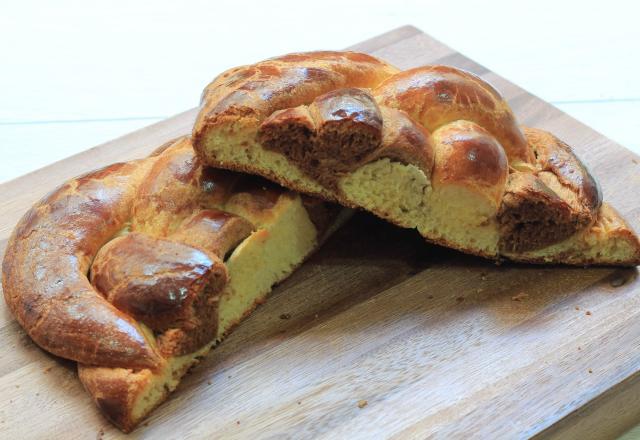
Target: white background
column 75, row 74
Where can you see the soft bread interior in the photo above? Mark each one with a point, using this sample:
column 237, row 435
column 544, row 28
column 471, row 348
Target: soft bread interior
column 453, row 215
column 236, row 150
column 281, row 242
column 450, row 214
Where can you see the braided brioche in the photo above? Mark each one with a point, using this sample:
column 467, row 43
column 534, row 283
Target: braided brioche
column 136, row 270
column 433, row 148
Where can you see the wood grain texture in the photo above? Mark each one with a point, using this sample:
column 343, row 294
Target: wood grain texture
column 437, row 343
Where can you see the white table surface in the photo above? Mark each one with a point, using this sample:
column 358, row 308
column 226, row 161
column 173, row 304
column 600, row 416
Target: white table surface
column 74, row 74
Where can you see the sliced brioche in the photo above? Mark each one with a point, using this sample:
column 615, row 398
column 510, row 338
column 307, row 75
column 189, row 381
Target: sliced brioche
column 433, row 148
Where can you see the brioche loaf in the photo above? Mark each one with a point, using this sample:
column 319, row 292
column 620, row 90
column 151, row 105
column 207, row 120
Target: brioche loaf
column 433, row 148
column 136, row 270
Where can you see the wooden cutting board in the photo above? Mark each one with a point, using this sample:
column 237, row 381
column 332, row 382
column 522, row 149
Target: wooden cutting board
column 437, row 343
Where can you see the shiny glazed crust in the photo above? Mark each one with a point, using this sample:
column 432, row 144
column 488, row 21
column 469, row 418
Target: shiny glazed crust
column 350, row 128
column 127, row 270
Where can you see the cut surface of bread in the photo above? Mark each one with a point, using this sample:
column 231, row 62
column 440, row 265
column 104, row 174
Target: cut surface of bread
column 433, row 148
column 136, row 271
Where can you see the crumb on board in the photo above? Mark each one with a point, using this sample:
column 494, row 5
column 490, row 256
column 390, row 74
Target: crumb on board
column 460, row 298
column 362, row 403
column 483, row 276
column 237, row 422
column 299, row 402
column 590, row 371
column 577, row 308
column 17, row 386
column 635, row 161
column 588, row 313
column 145, row 423
column 46, row 370
column 520, row 297
column 285, row 316
column 579, row 348
column 315, row 316
column 429, row 296
column 208, row 382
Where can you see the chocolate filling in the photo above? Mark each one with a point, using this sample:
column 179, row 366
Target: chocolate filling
column 333, row 135
column 526, row 225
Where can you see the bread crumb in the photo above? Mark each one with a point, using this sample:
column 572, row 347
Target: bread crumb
column 237, row 422
column 460, row 298
column 429, row 296
column 588, row 313
column 635, row 161
column 208, row 382
column 46, row 370
column 483, row 276
column 579, row 348
column 577, row 308
column 520, row 297
column 362, row 403
column 285, row 316
column 315, row 316
column 299, row 402
column 590, row 370
column 17, row 386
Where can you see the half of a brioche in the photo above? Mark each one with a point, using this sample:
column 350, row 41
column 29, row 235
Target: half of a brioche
column 433, row 148
column 137, row 270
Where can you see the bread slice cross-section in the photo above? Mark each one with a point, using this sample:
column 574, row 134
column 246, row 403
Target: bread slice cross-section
column 433, row 148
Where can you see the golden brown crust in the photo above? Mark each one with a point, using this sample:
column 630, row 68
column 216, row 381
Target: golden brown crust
column 45, row 266
column 437, row 95
column 555, row 156
column 468, row 155
column 170, row 287
column 214, row 231
column 258, row 90
column 405, row 141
